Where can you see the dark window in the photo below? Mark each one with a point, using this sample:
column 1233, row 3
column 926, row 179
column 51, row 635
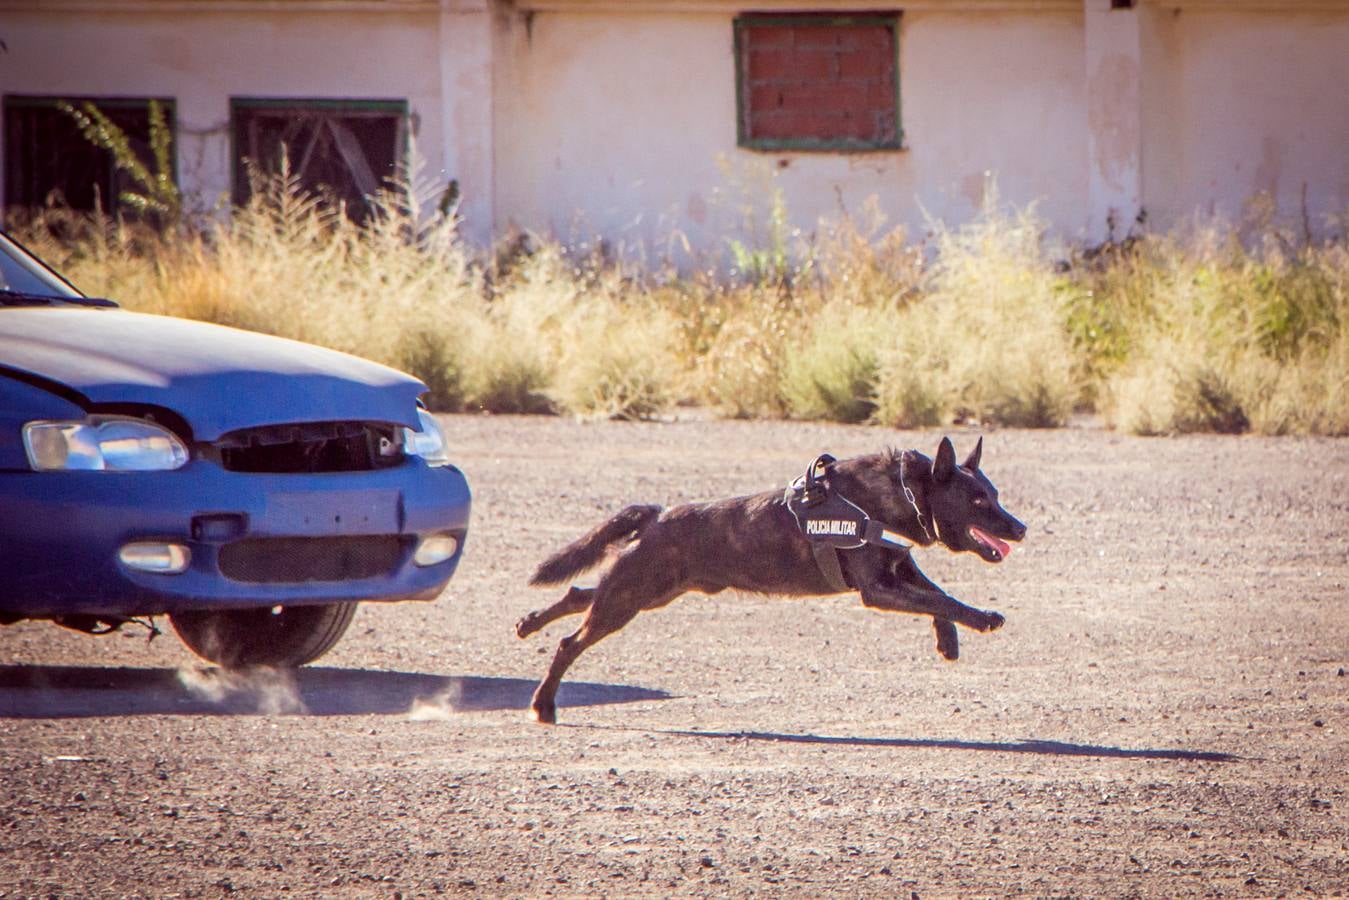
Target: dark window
column 817, row 82
column 342, row 150
column 46, row 156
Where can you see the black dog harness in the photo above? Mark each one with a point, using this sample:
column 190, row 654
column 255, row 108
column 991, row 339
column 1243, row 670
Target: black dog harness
column 832, row 522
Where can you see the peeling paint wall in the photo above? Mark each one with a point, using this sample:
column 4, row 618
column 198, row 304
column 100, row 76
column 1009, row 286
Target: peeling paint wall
column 620, row 121
column 204, row 58
column 624, row 125
column 1243, row 103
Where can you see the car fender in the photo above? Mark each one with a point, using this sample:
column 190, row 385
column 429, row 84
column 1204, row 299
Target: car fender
column 22, row 401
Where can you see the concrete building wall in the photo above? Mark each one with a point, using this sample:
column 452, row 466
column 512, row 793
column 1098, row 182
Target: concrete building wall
column 1244, row 102
column 203, row 58
column 600, row 117
column 625, row 125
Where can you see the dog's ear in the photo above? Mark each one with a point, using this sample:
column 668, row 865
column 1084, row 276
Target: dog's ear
column 972, row 461
column 945, row 463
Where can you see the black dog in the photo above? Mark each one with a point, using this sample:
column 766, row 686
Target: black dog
column 757, row 544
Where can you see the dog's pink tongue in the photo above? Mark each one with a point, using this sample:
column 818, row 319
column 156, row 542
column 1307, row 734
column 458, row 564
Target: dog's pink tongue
column 991, row 541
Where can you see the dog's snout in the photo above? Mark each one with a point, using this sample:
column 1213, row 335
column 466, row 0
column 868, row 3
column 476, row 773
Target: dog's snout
column 1018, row 529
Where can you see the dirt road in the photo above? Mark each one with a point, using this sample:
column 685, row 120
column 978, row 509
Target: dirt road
column 1165, row 712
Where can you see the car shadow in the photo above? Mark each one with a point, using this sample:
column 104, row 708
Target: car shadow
column 69, row 692
column 1028, row 745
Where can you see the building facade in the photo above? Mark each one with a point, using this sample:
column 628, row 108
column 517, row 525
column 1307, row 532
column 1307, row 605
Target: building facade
column 654, row 122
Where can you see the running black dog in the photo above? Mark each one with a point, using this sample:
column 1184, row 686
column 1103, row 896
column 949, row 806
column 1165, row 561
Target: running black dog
column 758, row 544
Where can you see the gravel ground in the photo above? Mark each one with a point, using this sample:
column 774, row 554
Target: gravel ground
column 1164, row 713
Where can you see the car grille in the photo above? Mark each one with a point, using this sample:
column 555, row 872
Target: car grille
column 310, row 447
column 270, row 560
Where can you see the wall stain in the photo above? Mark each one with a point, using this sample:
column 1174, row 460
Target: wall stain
column 1112, row 116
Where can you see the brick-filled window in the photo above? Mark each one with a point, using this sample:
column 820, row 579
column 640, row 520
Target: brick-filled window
column 808, row 81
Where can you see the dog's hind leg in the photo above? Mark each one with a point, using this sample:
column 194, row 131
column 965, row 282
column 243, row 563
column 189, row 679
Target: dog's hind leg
column 948, row 640
column 575, row 601
column 638, row 580
column 543, row 706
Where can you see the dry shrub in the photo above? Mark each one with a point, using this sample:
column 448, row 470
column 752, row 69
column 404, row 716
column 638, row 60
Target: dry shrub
column 1218, row 329
column 861, row 261
column 988, row 341
column 744, row 336
column 574, row 336
column 617, row 362
column 833, row 374
column 1237, row 336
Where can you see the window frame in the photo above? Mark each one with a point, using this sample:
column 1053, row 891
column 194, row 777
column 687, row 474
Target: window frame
column 112, row 201
column 399, row 109
column 891, row 20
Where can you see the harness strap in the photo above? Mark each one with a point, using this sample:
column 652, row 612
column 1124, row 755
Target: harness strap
column 832, row 523
column 876, row 533
column 826, row 557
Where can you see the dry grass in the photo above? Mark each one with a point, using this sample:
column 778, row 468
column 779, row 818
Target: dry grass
column 1230, row 339
column 985, row 323
column 987, row 342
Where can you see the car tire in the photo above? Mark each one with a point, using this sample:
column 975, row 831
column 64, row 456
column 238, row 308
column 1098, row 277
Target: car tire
column 283, row 636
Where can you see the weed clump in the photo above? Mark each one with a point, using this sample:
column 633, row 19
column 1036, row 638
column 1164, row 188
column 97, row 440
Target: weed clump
column 1233, row 338
column 1217, row 330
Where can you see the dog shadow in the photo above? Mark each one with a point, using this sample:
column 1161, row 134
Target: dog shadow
column 1028, row 745
column 70, row 692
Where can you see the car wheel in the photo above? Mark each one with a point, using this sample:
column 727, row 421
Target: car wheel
column 280, row 636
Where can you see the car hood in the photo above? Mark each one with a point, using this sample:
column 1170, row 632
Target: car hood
column 218, row 379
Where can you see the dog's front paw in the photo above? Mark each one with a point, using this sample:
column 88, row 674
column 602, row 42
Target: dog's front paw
column 544, row 713
column 992, row 621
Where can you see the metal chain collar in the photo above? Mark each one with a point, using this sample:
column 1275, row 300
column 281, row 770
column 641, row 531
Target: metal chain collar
column 913, row 501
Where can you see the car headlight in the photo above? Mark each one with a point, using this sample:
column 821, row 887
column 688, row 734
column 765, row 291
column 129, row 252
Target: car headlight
column 428, row 443
column 106, row 444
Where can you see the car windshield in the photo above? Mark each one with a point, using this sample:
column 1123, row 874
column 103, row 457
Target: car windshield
column 25, row 280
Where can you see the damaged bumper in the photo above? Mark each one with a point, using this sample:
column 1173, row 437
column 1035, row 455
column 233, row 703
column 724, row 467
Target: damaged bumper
column 202, row 537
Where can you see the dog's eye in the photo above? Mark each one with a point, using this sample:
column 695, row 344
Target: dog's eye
column 979, row 501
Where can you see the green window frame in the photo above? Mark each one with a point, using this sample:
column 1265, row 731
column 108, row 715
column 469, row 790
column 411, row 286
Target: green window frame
column 888, row 133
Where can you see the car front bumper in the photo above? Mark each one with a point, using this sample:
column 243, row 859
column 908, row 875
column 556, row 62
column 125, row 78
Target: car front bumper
column 255, row 539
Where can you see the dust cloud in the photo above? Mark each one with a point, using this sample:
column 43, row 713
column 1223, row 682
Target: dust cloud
column 271, row 692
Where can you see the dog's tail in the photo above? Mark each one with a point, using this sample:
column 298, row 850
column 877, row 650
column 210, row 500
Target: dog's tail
column 589, row 551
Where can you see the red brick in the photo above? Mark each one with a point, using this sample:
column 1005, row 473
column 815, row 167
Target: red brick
column 769, row 37
column 881, row 96
column 834, row 82
column 766, row 65
column 863, row 38
column 866, row 65
column 765, row 97
column 788, row 125
column 814, row 65
column 816, row 37
column 825, row 97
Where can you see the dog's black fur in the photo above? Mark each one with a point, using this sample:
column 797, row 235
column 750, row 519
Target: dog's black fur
column 754, row 543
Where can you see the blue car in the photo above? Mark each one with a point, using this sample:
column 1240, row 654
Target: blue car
column 252, row 488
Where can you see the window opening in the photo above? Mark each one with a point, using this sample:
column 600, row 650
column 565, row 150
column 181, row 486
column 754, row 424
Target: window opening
column 344, row 151
column 47, row 158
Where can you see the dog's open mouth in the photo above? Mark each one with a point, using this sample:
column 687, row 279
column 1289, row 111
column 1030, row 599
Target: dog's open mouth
column 996, row 548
